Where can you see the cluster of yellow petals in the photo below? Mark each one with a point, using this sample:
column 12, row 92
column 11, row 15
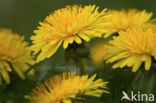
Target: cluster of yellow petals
column 124, row 19
column 61, row 88
column 68, row 25
column 14, row 55
column 133, row 47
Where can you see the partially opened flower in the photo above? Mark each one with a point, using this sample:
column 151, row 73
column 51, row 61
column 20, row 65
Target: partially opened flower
column 133, row 47
column 66, row 87
column 124, row 19
column 69, row 25
column 15, row 55
column 98, row 52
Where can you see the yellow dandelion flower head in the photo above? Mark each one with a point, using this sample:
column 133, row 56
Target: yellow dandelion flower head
column 63, row 88
column 98, row 52
column 68, row 25
column 133, row 47
column 14, row 54
column 124, row 19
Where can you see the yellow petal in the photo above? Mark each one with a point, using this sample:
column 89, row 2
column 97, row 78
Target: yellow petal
column 54, row 49
column 67, row 101
column 69, row 29
column 18, row 70
column 86, row 38
column 7, row 67
column 77, row 40
column 137, row 64
column 117, row 57
column 70, row 39
column 5, row 75
column 117, row 65
column 49, row 50
column 128, row 61
column 131, row 60
column 65, row 44
column 148, row 63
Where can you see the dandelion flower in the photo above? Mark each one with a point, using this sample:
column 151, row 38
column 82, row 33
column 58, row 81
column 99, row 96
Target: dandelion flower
column 133, row 47
column 66, row 26
column 14, row 55
column 122, row 20
column 63, row 88
column 98, row 52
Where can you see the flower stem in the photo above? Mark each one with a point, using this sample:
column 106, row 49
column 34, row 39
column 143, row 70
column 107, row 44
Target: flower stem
column 80, row 64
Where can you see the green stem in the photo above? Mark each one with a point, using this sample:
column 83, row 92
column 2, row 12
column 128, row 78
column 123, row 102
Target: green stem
column 80, row 63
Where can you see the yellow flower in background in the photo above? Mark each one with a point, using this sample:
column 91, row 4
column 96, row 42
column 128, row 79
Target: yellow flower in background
column 133, row 47
column 62, row 88
column 98, row 52
column 124, row 19
column 66, row 26
column 14, row 54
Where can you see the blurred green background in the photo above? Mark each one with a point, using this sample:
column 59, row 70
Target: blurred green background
column 22, row 16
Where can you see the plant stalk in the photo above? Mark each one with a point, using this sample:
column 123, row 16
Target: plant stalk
column 80, row 64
